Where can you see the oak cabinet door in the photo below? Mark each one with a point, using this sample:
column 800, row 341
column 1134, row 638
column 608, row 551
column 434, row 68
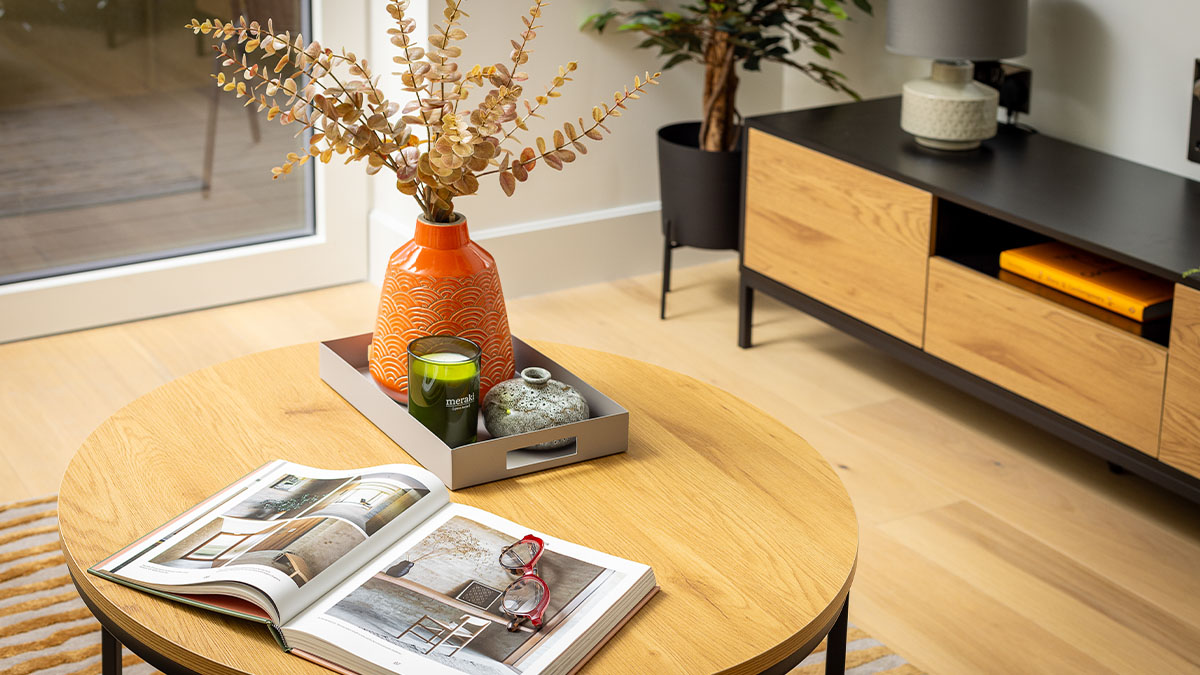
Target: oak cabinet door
column 850, row 238
column 1075, row 365
column 1181, row 408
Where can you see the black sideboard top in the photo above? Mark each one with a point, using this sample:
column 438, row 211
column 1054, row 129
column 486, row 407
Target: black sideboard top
column 1144, row 217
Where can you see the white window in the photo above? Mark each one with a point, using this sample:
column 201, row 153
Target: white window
column 369, row 494
column 216, row 546
column 287, row 482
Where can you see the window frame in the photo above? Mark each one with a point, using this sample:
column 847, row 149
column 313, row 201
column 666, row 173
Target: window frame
column 241, row 539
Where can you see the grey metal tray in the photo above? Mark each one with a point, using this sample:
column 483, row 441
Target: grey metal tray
column 343, row 366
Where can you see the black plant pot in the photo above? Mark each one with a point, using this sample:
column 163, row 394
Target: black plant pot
column 701, row 195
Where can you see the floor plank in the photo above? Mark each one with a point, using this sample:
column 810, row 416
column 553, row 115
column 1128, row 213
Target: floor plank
column 1059, row 508
column 946, row 624
column 1111, row 623
column 57, row 389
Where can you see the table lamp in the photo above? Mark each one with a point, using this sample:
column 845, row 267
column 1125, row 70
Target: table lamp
column 949, row 110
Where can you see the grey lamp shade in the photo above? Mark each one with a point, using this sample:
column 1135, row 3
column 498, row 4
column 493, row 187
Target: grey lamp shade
column 979, row 30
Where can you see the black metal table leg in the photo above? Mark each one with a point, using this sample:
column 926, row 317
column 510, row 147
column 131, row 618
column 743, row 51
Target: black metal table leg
column 668, row 246
column 110, row 653
column 835, row 647
column 745, row 314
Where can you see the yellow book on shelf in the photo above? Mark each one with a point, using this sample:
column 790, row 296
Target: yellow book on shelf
column 1100, row 281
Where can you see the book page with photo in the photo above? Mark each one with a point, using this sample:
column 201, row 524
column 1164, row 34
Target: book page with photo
column 435, row 603
column 284, row 536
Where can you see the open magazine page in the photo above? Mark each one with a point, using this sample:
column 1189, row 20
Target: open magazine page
column 444, row 579
column 291, row 532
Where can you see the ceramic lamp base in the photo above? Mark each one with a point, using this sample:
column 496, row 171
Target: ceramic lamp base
column 949, row 110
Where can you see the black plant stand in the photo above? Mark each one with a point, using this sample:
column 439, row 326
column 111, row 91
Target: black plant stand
column 668, row 246
column 701, row 196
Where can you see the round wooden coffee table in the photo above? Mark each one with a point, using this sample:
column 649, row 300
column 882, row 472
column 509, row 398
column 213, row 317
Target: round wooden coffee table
column 750, row 532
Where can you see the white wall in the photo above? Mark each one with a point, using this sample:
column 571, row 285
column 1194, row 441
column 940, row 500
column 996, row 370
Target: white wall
column 1113, row 75
column 1116, row 76
column 872, row 71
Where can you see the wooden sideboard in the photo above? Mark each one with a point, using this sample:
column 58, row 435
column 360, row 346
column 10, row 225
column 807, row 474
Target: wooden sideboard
column 848, row 219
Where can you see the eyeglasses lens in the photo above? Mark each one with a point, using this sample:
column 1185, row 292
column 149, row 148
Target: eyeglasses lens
column 518, row 555
column 522, row 597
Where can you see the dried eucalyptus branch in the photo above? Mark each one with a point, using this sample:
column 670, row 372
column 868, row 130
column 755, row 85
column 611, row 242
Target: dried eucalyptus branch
column 342, row 108
column 511, row 172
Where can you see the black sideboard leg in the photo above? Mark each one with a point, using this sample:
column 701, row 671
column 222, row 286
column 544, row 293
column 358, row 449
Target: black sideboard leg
column 668, row 246
column 745, row 314
column 110, row 653
column 835, row 645
column 1116, row 468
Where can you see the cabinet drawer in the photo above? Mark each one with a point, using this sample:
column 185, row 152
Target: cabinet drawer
column 1181, row 406
column 853, row 239
column 1077, row 366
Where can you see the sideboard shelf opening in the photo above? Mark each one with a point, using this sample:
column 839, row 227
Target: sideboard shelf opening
column 976, row 240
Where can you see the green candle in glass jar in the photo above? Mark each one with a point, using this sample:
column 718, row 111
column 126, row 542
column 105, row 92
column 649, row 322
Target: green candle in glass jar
column 443, row 386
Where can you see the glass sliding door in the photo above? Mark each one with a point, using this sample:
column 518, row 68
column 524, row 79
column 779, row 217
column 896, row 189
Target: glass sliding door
column 120, row 156
column 116, row 147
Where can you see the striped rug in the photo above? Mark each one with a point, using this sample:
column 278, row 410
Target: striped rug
column 864, row 656
column 45, row 629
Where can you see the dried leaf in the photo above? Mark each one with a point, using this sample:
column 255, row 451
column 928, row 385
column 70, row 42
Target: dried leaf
column 519, row 172
column 529, row 158
column 508, row 183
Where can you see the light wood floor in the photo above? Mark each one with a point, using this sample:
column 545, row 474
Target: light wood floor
column 987, row 546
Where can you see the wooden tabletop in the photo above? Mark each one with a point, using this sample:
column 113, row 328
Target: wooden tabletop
column 750, row 532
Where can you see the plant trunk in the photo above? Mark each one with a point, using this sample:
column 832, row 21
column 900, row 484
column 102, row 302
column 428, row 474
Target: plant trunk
column 718, row 132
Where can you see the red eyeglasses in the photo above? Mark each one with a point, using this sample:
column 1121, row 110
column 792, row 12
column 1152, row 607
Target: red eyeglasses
column 527, row 597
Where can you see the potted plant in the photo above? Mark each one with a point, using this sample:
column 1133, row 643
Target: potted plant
column 700, row 166
column 436, row 145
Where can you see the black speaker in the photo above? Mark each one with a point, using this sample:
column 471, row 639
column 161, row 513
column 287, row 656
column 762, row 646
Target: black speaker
column 1012, row 81
column 1194, row 134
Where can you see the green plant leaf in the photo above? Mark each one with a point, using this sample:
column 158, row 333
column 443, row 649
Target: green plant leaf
column 835, row 9
column 676, row 60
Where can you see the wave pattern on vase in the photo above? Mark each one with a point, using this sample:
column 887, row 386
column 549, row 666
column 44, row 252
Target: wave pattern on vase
column 412, row 306
column 440, row 283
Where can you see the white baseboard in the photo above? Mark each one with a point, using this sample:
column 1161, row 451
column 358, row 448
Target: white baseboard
column 556, row 253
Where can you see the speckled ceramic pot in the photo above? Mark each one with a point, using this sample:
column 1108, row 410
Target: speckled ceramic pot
column 531, row 402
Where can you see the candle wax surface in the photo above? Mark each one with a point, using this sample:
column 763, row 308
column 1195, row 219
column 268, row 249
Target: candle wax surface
column 447, row 366
column 445, row 357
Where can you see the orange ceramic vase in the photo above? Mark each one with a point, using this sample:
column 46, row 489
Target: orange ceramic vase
column 440, row 283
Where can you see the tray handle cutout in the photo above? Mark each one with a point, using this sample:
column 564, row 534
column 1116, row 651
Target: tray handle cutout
column 522, row 458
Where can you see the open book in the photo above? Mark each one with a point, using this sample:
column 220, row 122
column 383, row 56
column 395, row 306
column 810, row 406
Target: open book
column 377, row 571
